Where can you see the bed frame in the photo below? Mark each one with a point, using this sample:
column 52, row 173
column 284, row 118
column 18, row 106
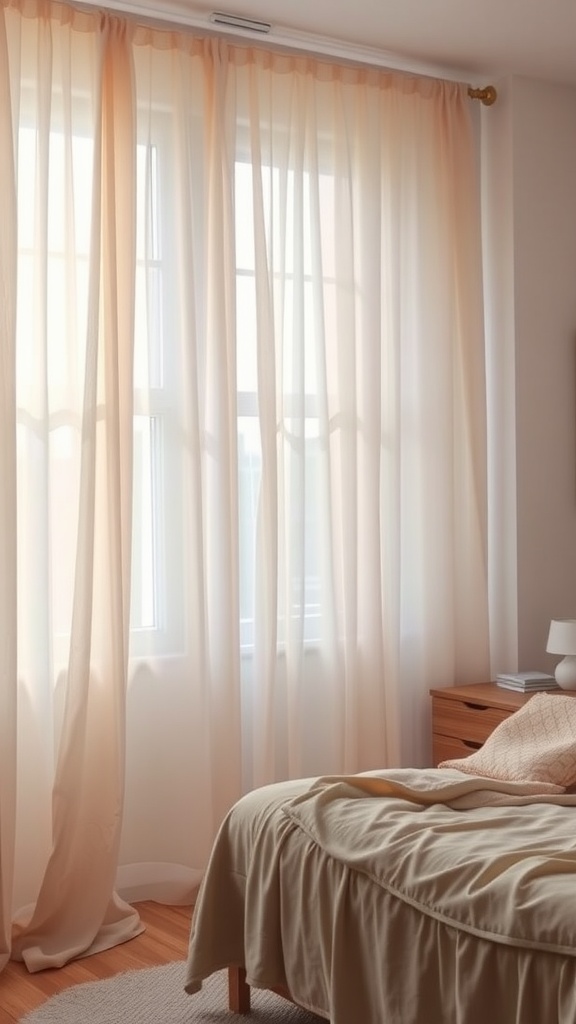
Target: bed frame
column 239, row 991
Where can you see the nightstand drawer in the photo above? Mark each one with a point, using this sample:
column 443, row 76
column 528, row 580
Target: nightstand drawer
column 465, row 720
column 464, row 716
column 444, row 748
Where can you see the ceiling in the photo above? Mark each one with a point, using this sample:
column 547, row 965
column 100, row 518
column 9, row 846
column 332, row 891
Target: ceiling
column 481, row 39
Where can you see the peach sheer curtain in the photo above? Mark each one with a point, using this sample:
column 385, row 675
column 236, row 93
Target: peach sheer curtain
column 242, row 447
column 68, row 367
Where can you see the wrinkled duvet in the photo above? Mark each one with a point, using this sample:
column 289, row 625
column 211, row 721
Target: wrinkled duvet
column 398, row 897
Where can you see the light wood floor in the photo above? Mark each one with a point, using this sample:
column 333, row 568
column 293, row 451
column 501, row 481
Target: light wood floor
column 164, row 940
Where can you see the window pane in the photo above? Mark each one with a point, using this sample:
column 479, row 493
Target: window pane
column 249, row 480
column 149, row 328
column 147, row 212
column 244, row 218
column 144, row 529
column 246, row 362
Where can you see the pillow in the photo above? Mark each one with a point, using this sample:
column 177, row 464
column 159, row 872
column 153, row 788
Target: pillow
column 535, row 744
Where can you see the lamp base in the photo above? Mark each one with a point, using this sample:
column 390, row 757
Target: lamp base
column 566, row 672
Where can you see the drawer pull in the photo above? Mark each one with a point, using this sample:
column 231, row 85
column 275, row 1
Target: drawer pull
column 471, row 744
column 476, row 707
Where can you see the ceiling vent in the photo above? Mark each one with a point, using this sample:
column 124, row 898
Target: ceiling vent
column 247, row 24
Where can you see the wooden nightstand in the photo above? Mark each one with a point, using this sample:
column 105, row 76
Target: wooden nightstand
column 464, row 716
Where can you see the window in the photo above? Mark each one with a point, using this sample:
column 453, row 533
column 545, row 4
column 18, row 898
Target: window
column 157, row 576
column 52, row 291
column 296, row 319
column 53, row 267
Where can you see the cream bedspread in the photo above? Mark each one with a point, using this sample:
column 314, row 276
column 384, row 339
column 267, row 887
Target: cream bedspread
column 398, row 897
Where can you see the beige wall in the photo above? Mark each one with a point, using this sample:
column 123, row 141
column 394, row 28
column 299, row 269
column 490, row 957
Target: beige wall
column 529, row 189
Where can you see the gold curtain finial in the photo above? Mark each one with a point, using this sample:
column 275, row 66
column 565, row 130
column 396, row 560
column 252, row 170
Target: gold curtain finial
column 488, row 95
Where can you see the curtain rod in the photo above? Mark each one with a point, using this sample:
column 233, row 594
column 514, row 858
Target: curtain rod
column 177, row 14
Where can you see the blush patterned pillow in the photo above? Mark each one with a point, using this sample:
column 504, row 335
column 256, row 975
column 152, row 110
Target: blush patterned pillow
column 535, row 744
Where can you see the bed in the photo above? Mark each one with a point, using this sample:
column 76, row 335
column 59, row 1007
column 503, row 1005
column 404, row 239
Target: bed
column 407, row 896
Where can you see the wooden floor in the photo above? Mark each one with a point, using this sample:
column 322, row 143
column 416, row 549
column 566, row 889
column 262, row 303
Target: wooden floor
column 164, row 940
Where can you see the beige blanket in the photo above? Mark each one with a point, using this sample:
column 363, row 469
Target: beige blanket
column 380, row 898
column 509, row 878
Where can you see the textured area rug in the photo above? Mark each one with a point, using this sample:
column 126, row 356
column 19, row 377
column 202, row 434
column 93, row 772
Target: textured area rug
column 156, row 996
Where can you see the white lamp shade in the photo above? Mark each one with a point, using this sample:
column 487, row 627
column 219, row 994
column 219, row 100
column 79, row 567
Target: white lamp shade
column 562, row 637
column 562, row 640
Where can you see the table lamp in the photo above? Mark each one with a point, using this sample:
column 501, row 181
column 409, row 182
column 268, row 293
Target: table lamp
column 562, row 640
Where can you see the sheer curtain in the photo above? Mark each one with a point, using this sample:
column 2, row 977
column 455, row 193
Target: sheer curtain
column 67, row 507
column 243, row 507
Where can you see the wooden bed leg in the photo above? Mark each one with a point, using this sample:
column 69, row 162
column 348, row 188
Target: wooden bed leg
column 238, row 990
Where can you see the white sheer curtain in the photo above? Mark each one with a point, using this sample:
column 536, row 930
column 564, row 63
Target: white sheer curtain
column 242, row 518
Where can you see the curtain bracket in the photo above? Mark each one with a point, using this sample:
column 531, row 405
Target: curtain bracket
column 487, row 95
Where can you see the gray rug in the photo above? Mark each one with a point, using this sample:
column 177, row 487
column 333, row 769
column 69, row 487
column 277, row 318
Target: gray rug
column 156, row 996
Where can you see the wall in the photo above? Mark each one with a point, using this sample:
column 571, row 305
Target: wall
column 529, row 191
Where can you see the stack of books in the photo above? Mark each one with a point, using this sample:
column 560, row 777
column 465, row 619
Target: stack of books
column 526, row 682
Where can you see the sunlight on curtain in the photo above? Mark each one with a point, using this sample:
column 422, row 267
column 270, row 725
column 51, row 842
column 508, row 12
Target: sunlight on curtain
column 288, row 439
